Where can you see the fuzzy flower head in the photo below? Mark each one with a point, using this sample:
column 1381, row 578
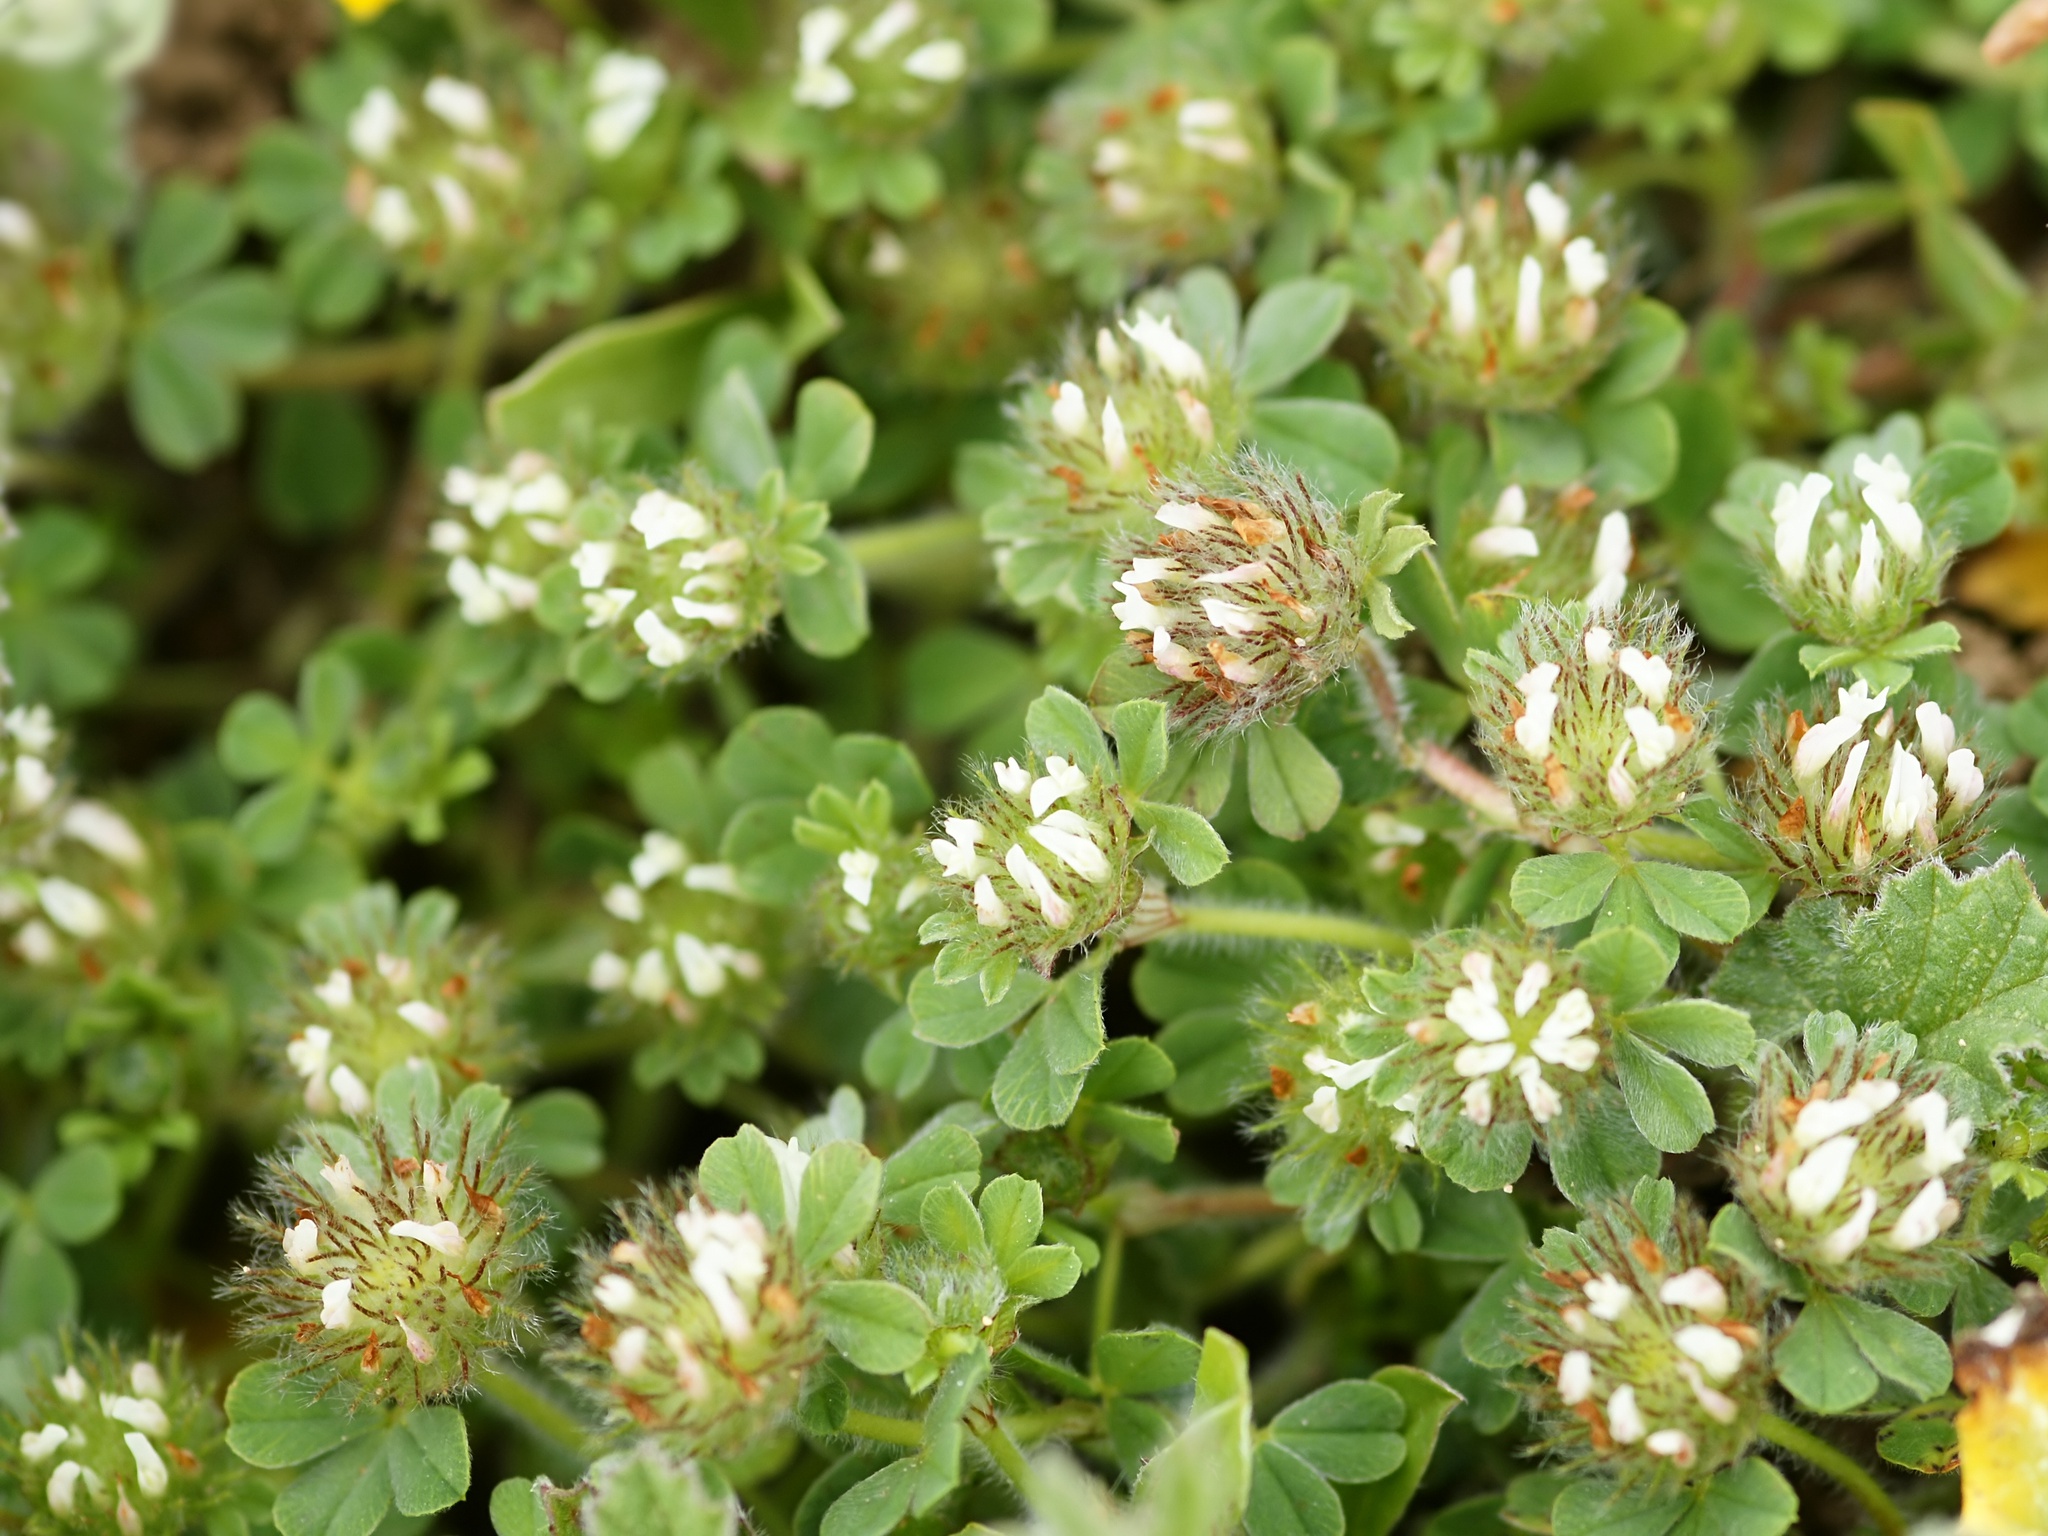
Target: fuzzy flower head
column 1249, row 591
column 1524, row 543
column 1875, row 786
column 449, row 177
column 502, row 529
column 683, row 942
column 1504, row 292
column 1647, row 1356
column 1338, row 1149
column 1151, row 158
column 389, row 1260
column 649, row 1487
column 881, row 72
column 1484, row 1044
column 116, row 1440
column 950, row 302
column 697, row 1320
column 383, row 984
column 62, row 323
column 875, row 896
column 1591, row 718
column 1855, row 1164
column 32, row 755
column 1856, row 550
column 92, row 895
column 1043, row 861
column 1449, row 43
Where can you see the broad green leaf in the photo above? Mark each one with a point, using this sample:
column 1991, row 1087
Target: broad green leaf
column 1289, row 328
column 1130, row 1067
column 516, row 1510
column 1041, row 1079
column 1818, row 1362
column 1750, row 1498
column 1184, row 840
column 272, row 823
column 743, row 1172
column 1294, row 790
column 1653, row 339
column 38, row 1287
column 1698, row 902
column 1596, row 1149
column 563, row 1131
column 1373, row 1509
column 1909, row 1353
column 184, row 409
column 827, row 609
column 944, row 1426
column 1594, row 1507
column 1012, row 1211
column 1627, row 964
column 1922, row 1439
column 1289, row 1497
column 429, row 1460
column 841, row 1189
column 1046, row 1272
column 874, row 1505
column 275, row 1420
column 1146, row 1361
column 1059, row 724
column 877, row 1325
column 949, row 1219
column 1634, row 448
column 78, row 1193
column 954, row 1014
column 946, row 1154
column 345, row 1493
column 732, row 432
column 1561, row 888
column 1712, row 1034
column 1666, row 1101
column 190, row 227
column 1139, row 726
column 232, row 322
column 834, row 434
column 1819, row 226
column 1345, row 450
column 1348, row 1431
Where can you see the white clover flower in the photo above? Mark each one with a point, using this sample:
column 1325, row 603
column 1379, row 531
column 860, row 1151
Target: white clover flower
column 1070, row 840
column 460, row 105
column 665, row 648
column 137, row 1412
column 62, row 1489
column 940, row 61
column 1529, row 305
column 660, row 519
column 1599, row 645
column 858, row 868
column 625, row 91
column 1624, row 1419
column 1792, row 515
column 41, row 1444
column 73, row 908
column 1498, row 543
column 1575, row 1377
column 1060, row 779
column 19, row 231
column 1655, row 740
column 1963, row 778
column 989, row 909
column 1163, row 349
column 1051, row 905
column 1013, row 776
column 375, row 125
column 350, row 1092
column 1532, row 730
column 956, row 851
column 1716, row 1353
column 302, row 1243
column 1461, row 294
column 1614, row 550
column 1551, row 214
column 1926, row 1217
column 1698, row 1290
column 1843, row 1242
column 1650, row 674
column 424, row 1017
column 1586, row 269
column 1070, row 410
column 1948, row 1141
column 1811, row 1187
column 1674, row 1443
column 1910, row 797
column 1608, row 1298
column 1116, row 448
column 1886, row 485
column 1824, row 740
column 1323, row 1111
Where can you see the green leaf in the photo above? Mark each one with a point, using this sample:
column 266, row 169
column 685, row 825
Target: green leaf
column 1057, row 722
column 274, row 1419
column 1345, row 450
column 1186, row 843
column 1653, row 339
column 78, row 1193
column 1594, row 1507
column 1539, row 450
column 945, row 1154
column 1129, row 1068
column 1561, row 888
column 877, row 1325
column 944, row 1428
column 38, row 1287
column 1012, row 1212
column 876, row 1504
column 775, row 752
column 234, row 322
column 1818, row 1362
column 1289, row 1497
column 1969, row 273
column 1040, row 1081
column 1348, row 1431
column 1750, row 1498
column 742, row 1172
column 1820, row 226
column 516, row 1510
column 1734, row 1236
column 949, row 1219
column 562, row 1130
column 835, row 432
column 827, row 609
column 841, row 1190
column 1045, row 1273
column 1373, row 1509
column 1139, row 726
column 1288, row 328
column 953, row 1013
column 1627, row 964
column 1967, row 488
column 1294, row 790
column 259, row 738
column 345, row 1493
column 1922, row 1439
column 1909, row 138
column 190, row 227
column 429, row 1458
column 184, row 410
column 1699, row 902
column 1634, row 448
column 1666, row 1101
column 320, row 463
column 1712, row 1034
column 1146, row 1361
column 1909, row 1353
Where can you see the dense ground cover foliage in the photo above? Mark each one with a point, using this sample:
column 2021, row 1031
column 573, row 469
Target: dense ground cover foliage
column 970, row 765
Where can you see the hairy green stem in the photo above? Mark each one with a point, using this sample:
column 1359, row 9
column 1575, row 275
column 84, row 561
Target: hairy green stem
column 997, row 1442
column 880, row 1426
column 514, row 1394
column 917, row 552
column 1144, row 1209
column 1280, row 923
column 1860, row 1485
column 1109, row 1276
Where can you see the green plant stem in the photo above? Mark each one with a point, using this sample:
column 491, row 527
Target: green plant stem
column 1142, row 1209
column 918, row 552
column 412, row 359
column 1281, row 923
column 515, row 1395
column 997, row 1442
column 1109, row 1276
column 879, row 1426
column 1861, row 1486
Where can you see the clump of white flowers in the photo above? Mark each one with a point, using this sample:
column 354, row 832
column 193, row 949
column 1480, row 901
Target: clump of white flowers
column 115, row 1439
column 1850, row 798
column 383, row 984
column 1589, row 714
column 623, row 92
column 388, row 1261
column 882, row 71
column 1250, row 591
column 1043, row 861
column 1555, row 545
column 871, row 903
column 1503, row 292
column 1855, row 1165
column 1150, row 159
column 1647, row 1356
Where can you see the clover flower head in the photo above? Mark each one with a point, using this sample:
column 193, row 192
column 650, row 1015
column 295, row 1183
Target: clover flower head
column 647, row 1485
column 389, row 1260
column 1854, row 1164
column 1853, row 797
column 872, row 902
column 1504, row 291
column 1645, row 1353
column 882, row 71
column 86, row 890
column 625, row 91
column 1591, row 717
